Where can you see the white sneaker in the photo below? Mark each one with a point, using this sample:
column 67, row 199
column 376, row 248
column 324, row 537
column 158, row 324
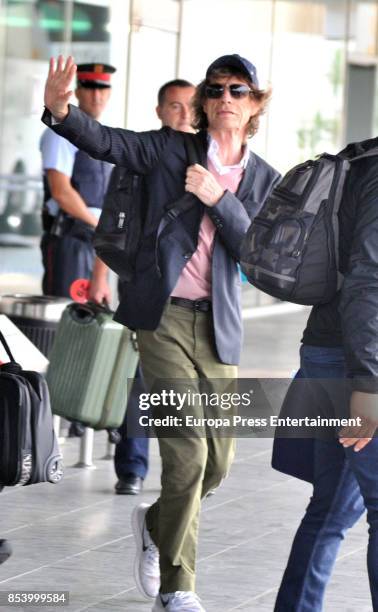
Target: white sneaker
column 146, row 565
column 180, row 601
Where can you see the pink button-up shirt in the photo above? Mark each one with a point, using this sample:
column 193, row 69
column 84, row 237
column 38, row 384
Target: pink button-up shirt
column 194, row 282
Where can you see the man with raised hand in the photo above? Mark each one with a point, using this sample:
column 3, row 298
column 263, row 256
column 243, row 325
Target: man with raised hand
column 185, row 299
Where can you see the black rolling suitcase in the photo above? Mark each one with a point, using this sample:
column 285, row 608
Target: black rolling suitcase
column 29, row 451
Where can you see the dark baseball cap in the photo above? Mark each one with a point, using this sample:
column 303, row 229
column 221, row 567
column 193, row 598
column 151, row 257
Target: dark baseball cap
column 94, row 75
column 235, row 61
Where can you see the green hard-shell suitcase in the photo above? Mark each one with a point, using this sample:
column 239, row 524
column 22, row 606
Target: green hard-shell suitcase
column 121, row 381
column 92, row 362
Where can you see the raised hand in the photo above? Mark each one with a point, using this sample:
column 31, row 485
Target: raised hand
column 58, row 86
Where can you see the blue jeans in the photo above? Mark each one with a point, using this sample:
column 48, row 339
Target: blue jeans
column 131, row 454
column 345, row 484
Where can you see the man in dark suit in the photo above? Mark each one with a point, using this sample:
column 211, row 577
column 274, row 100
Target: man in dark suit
column 184, row 301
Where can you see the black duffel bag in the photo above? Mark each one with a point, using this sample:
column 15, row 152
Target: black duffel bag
column 29, row 450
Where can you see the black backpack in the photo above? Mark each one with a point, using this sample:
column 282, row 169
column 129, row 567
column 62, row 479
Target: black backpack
column 29, row 451
column 118, row 233
column 291, row 250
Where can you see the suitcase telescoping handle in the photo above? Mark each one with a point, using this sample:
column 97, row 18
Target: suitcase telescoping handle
column 85, row 313
column 7, row 349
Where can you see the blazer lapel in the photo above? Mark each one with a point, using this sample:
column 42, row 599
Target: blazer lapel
column 245, row 184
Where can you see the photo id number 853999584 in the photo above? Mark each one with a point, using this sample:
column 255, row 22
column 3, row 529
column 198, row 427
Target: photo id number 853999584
column 22, row 599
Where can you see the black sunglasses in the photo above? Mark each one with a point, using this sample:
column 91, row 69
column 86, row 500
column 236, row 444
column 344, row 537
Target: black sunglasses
column 237, row 90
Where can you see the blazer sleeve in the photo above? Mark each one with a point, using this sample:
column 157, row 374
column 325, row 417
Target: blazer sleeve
column 137, row 151
column 359, row 294
column 231, row 221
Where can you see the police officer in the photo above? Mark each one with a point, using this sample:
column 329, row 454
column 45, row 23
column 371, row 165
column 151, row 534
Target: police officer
column 74, row 188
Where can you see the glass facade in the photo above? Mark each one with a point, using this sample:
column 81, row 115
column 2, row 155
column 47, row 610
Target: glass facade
column 32, row 32
column 307, row 73
column 309, row 51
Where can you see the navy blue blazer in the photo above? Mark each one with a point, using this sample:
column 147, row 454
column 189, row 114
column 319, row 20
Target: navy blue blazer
column 160, row 156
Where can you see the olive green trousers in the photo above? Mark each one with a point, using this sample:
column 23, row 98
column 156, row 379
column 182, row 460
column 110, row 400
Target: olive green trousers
column 180, row 354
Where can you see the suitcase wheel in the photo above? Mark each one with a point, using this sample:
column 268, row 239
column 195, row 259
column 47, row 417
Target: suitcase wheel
column 76, row 430
column 114, row 436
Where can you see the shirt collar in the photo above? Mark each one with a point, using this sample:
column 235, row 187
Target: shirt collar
column 212, row 154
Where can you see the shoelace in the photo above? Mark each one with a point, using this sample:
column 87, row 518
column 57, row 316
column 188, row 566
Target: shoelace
column 152, row 560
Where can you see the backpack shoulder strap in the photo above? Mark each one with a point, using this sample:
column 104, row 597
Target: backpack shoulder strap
column 195, row 154
column 7, row 349
column 195, row 151
column 371, row 153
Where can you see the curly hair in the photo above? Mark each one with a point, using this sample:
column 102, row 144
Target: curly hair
column 262, row 96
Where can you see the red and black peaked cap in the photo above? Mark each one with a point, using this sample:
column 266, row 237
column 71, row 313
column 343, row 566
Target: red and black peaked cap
column 94, row 75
